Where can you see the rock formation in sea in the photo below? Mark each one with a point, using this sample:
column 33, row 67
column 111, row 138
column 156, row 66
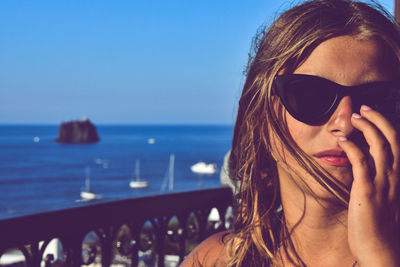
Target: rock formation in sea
column 77, row 132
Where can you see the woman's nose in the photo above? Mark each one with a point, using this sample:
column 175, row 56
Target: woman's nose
column 339, row 123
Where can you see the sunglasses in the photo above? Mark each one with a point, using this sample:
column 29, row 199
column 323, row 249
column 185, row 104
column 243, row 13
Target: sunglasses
column 312, row 100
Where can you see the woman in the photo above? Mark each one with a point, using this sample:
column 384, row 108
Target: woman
column 315, row 151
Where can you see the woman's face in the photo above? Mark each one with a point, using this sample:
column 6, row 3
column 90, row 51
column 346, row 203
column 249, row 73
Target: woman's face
column 347, row 61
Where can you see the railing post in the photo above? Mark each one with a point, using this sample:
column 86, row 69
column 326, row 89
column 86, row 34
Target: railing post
column 35, row 255
column 161, row 232
column 106, row 238
column 183, row 219
column 135, row 231
column 73, row 248
column 202, row 217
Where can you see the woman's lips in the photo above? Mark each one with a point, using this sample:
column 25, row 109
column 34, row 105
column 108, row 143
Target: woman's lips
column 334, row 157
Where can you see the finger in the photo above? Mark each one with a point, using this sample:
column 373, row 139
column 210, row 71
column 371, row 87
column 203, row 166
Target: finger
column 391, row 135
column 387, row 129
column 378, row 149
column 359, row 164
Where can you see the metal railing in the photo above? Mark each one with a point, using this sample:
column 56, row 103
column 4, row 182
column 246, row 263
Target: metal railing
column 148, row 231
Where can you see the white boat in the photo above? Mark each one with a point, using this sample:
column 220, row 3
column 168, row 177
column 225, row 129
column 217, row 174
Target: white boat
column 136, row 182
column 204, row 168
column 169, row 176
column 86, row 194
column 102, row 162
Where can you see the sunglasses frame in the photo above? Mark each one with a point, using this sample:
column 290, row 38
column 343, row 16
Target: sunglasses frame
column 281, row 81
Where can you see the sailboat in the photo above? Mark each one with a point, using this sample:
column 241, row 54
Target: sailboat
column 136, row 182
column 169, row 176
column 86, row 194
column 204, row 168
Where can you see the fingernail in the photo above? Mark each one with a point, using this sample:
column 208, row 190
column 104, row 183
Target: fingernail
column 365, row 107
column 356, row 116
column 342, row 138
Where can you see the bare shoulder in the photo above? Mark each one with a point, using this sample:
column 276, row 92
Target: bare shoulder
column 210, row 252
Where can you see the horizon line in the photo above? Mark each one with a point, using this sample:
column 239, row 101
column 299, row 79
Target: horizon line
column 119, row 124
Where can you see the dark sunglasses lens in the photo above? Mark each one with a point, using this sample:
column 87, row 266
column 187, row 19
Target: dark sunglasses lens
column 309, row 99
column 385, row 98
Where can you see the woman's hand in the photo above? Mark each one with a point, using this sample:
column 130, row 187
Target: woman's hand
column 374, row 197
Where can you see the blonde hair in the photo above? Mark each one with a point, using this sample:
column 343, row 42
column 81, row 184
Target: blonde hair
column 259, row 228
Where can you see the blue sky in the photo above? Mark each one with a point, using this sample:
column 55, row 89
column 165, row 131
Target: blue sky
column 127, row 62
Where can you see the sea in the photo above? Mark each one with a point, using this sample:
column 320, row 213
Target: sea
column 37, row 174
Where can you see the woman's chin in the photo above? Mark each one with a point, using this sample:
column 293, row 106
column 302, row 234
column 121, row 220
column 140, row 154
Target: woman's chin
column 344, row 176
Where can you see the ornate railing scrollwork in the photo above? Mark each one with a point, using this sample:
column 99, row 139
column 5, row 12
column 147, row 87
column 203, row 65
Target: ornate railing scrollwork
column 149, row 231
